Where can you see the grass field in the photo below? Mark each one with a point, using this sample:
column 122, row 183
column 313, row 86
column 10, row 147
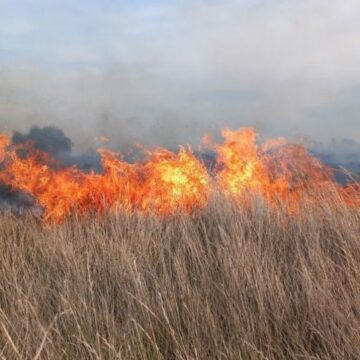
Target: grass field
column 222, row 284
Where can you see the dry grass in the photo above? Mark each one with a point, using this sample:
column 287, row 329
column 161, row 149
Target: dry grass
column 224, row 284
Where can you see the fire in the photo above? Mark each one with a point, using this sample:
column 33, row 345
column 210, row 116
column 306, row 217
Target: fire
column 4, row 143
column 240, row 168
column 276, row 171
column 173, row 182
column 166, row 182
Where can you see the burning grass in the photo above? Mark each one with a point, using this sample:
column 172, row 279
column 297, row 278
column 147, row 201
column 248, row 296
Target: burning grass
column 228, row 282
column 166, row 183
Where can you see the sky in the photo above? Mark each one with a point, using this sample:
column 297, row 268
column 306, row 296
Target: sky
column 165, row 72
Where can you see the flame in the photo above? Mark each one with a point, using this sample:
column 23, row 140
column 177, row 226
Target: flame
column 173, row 182
column 4, row 143
column 240, row 167
column 166, row 182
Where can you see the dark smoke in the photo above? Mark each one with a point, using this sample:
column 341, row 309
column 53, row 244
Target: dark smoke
column 54, row 142
column 15, row 201
column 48, row 139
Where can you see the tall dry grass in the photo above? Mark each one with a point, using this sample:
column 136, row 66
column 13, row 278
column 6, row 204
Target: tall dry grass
column 222, row 284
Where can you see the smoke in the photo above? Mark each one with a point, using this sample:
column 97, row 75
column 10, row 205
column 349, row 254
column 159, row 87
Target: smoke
column 163, row 74
column 14, row 201
column 48, row 139
column 127, row 108
column 53, row 141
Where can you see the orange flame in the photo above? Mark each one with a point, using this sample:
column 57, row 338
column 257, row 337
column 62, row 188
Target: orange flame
column 173, row 182
column 166, row 182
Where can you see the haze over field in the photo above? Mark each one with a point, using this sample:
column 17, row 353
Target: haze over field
column 164, row 73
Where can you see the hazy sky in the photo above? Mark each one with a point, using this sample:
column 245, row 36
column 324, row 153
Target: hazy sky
column 167, row 71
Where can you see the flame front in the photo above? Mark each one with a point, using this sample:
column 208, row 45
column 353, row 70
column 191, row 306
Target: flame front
column 166, row 182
